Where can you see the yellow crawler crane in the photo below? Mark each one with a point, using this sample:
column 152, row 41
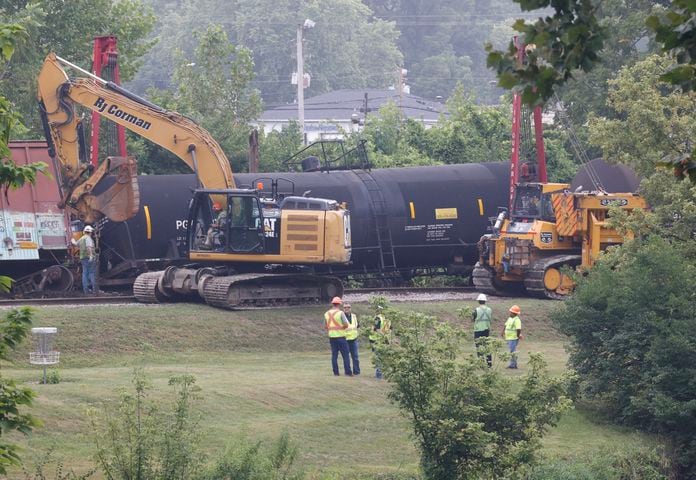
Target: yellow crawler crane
column 549, row 228
column 245, row 248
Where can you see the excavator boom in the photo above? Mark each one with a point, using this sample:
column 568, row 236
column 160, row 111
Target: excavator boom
column 58, row 95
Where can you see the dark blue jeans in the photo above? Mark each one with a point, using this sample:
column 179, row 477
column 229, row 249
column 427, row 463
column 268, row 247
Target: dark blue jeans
column 512, row 346
column 89, row 281
column 353, row 348
column 340, row 345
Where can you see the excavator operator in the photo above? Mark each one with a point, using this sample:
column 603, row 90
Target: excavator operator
column 216, row 232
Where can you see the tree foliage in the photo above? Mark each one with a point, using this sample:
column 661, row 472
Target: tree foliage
column 630, row 320
column 675, row 30
column 68, row 28
column 13, row 330
column 139, row 440
column 441, row 42
column 12, row 176
column 347, row 48
column 468, row 420
column 567, row 40
column 212, row 86
column 646, row 119
column 572, row 40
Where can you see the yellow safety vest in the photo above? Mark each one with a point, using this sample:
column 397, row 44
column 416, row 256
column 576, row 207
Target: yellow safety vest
column 512, row 324
column 352, row 330
column 334, row 323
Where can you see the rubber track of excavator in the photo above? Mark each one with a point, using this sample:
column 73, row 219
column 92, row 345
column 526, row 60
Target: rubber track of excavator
column 145, row 288
column 482, row 277
column 534, row 280
column 267, row 290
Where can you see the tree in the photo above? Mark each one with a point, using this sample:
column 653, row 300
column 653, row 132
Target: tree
column 471, row 133
column 441, row 42
column 212, row 86
column 646, row 118
column 12, row 176
column 13, row 330
column 278, row 146
column 572, row 40
column 468, row 420
column 347, row 48
column 631, row 316
column 68, row 28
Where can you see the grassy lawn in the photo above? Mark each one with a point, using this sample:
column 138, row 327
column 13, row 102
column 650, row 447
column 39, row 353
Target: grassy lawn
column 261, row 373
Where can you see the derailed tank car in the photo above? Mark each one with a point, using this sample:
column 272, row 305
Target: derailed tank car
column 402, row 219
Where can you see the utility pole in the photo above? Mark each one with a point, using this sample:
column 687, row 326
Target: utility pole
column 400, row 76
column 300, row 77
column 300, row 84
column 365, row 108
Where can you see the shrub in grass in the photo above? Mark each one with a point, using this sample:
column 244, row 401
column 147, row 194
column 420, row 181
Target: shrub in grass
column 40, row 470
column 629, row 464
column 53, row 376
column 244, row 460
column 136, row 439
column 469, row 421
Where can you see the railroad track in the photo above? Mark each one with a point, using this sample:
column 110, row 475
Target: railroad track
column 92, row 300
column 125, row 299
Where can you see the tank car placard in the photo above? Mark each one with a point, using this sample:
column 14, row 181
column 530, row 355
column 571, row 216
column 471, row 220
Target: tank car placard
column 446, row 214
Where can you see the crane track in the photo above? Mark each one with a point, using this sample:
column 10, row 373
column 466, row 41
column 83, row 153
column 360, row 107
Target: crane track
column 106, row 299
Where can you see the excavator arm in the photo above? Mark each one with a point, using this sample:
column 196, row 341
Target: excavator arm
column 58, row 94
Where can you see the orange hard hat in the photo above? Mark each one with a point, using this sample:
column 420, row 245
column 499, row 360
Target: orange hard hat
column 217, row 206
column 515, row 309
column 336, row 301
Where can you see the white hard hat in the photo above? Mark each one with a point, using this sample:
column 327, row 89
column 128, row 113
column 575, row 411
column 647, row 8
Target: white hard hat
column 482, row 297
column 88, row 229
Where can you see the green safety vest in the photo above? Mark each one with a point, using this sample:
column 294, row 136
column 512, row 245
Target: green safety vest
column 483, row 318
column 82, row 244
column 334, row 323
column 383, row 329
column 352, row 330
column 512, row 324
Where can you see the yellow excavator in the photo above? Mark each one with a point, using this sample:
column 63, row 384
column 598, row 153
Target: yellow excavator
column 245, row 247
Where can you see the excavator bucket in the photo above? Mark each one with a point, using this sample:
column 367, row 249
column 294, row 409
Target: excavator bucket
column 120, row 201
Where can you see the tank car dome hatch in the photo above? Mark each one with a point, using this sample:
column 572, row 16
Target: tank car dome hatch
column 311, row 164
column 614, row 178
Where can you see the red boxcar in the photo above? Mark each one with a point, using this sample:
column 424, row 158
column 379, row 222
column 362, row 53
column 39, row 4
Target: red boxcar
column 34, row 232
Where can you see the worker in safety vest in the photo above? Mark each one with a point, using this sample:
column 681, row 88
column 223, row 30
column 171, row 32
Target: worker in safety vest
column 482, row 317
column 381, row 331
column 88, row 260
column 352, row 337
column 336, row 324
column 512, row 331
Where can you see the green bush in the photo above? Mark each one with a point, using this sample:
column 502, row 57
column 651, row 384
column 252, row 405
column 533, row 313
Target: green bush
column 53, row 376
column 253, row 461
column 631, row 322
column 468, row 420
column 631, row 464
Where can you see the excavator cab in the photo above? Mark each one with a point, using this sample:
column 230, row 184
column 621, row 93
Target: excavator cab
column 227, row 221
column 533, row 202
